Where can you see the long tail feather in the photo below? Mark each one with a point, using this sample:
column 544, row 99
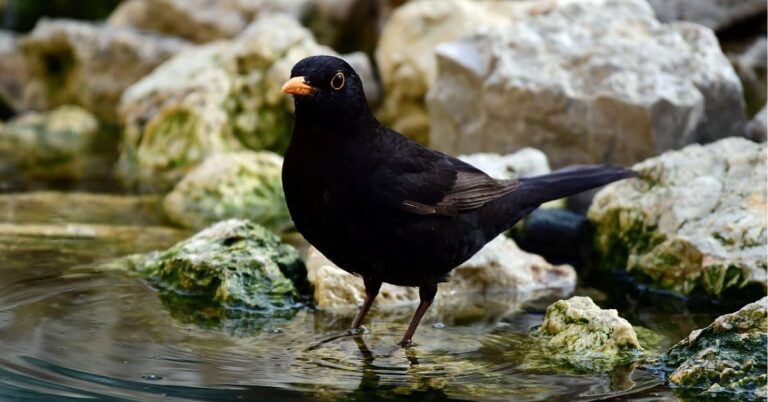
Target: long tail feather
column 540, row 189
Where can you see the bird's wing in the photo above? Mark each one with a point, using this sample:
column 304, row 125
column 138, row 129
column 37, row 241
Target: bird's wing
column 426, row 182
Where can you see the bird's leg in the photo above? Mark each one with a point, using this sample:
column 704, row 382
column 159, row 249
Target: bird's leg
column 371, row 291
column 426, row 296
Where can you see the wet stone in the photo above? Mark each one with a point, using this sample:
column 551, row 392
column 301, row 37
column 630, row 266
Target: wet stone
column 231, row 269
column 726, row 358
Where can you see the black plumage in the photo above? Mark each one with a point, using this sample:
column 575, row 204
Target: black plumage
column 386, row 208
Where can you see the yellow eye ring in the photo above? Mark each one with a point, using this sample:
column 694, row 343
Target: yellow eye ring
column 337, row 82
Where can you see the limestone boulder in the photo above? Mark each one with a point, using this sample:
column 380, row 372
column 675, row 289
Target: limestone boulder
column 88, row 64
column 596, row 81
column 694, row 220
column 526, row 162
column 497, row 268
column 405, row 53
column 198, row 20
column 52, row 145
column 245, row 185
column 715, row 14
column 726, row 358
column 216, row 98
column 13, row 71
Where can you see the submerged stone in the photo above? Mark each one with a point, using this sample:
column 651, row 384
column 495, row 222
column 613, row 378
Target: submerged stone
column 245, row 185
column 577, row 334
column 695, row 219
column 727, row 357
column 235, row 264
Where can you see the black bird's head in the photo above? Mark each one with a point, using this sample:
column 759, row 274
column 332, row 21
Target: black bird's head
column 328, row 87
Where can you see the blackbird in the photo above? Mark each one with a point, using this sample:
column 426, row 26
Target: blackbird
column 386, row 208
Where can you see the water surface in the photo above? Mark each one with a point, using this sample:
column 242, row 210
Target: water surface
column 71, row 332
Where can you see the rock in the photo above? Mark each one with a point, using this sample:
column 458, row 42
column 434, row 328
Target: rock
column 715, row 14
column 13, row 71
column 586, row 82
column 215, row 98
column 559, row 235
column 198, row 20
column 499, row 266
column 348, row 25
column 757, row 127
column 408, row 71
column 51, row 145
column 750, row 65
column 727, row 357
column 234, row 264
column 89, row 65
column 695, row 219
column 587, row 337
column 526, row 162
column 245, row 185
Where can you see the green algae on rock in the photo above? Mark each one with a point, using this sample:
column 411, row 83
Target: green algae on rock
column 578, row 335
column 52, row 145
column 728, row 356
column 235, row 263
column 245, row 185
column 695, row 219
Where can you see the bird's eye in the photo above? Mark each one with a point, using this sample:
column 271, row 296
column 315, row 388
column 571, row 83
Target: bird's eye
column 337, row 82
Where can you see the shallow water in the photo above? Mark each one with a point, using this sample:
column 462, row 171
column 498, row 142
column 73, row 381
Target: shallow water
column 72, row 332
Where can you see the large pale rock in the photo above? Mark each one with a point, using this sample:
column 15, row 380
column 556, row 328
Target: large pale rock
column 405, row 53
column 526, row 162
column 594, row 81
column 212, row 99
column 499, row 266
column 716, row 14
column 52, row 145
column 198, row 20
column 245, row 185
column 13, row 71
column 695, row 218
column 727, row 357
column 89, row 65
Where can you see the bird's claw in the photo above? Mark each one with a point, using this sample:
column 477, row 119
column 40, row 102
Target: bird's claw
column 405, row 343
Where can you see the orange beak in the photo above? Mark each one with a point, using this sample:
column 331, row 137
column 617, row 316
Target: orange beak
column 298, row 86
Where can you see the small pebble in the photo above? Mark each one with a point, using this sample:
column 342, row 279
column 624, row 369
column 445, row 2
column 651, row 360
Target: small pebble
column 151, row 377
column 438, row 325
column 275, row 331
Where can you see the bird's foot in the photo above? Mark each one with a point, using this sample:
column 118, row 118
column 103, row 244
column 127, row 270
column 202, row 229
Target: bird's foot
column 359, row 330
column 405, row 343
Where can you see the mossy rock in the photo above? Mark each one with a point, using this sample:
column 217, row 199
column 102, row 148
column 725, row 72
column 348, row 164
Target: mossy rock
column 235, row 264
column 245, row 185
column 727, row 358
column 577, row 336
column 51, row 145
